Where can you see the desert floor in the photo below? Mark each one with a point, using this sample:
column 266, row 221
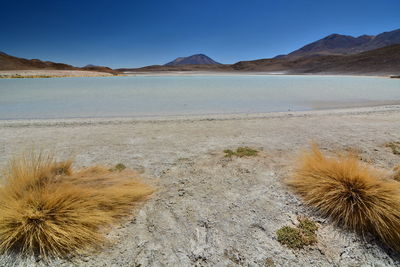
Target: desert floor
column 53, row 73
column 210, row 210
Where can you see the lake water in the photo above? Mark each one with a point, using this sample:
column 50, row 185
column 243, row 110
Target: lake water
column 172, row 95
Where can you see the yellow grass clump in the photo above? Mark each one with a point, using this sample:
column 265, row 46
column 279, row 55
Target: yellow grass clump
column 352, row 194
column 49, row 210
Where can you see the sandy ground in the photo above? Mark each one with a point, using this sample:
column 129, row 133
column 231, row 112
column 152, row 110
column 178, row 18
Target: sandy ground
column 210, row 210
column 55, row 73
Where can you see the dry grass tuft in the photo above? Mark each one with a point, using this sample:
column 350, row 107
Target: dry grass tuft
column 351, row 193
column 396, row 173
column 49, row 210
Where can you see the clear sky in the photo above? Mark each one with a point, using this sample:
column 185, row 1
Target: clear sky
column 146, row 32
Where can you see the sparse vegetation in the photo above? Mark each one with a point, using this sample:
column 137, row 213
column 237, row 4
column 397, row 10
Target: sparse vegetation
column 351, row 193
column 48, row 210
column 119, row 167
column 18, row 76
column 394, row 146
column 308, row 230
column 298, row 237
column 241, row 152
column 290, row 237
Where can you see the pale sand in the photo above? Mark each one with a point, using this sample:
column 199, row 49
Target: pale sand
column 209, row 210
column 55, row 73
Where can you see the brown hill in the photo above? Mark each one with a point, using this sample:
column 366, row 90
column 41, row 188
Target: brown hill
column 382, row 61
column 99, row 68
column 8, row 62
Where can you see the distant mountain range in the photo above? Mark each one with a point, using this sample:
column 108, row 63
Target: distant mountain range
column 336, row 44
column 338, row 54
column 198, row 59
column 8, row 62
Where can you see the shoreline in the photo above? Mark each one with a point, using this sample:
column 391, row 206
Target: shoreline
column 198, row 117
column 42, row 74
column 246, row 73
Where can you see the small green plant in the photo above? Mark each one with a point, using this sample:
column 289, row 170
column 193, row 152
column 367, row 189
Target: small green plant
column 290, row 236
column 228, row 153
column 395, row 146
column 119, row 167
column 303, row 234
column 241, row 152
column 308, row 229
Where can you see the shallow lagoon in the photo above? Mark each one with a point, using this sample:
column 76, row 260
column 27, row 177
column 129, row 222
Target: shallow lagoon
column 185, row 95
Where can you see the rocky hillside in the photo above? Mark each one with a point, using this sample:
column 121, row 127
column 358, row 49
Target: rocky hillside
column 380, row 61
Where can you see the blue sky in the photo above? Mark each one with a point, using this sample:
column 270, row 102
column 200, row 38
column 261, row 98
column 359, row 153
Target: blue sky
column 138, row 33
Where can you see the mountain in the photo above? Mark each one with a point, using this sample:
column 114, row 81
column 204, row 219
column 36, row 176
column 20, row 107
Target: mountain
column 383, row 39
column 8, row 62
column 198, row 62
column 381, row 61
column 336, row 53
column 198, row 59
column 337, row 44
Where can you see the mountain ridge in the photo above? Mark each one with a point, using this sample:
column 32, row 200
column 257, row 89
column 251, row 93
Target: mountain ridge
column 338, row 44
